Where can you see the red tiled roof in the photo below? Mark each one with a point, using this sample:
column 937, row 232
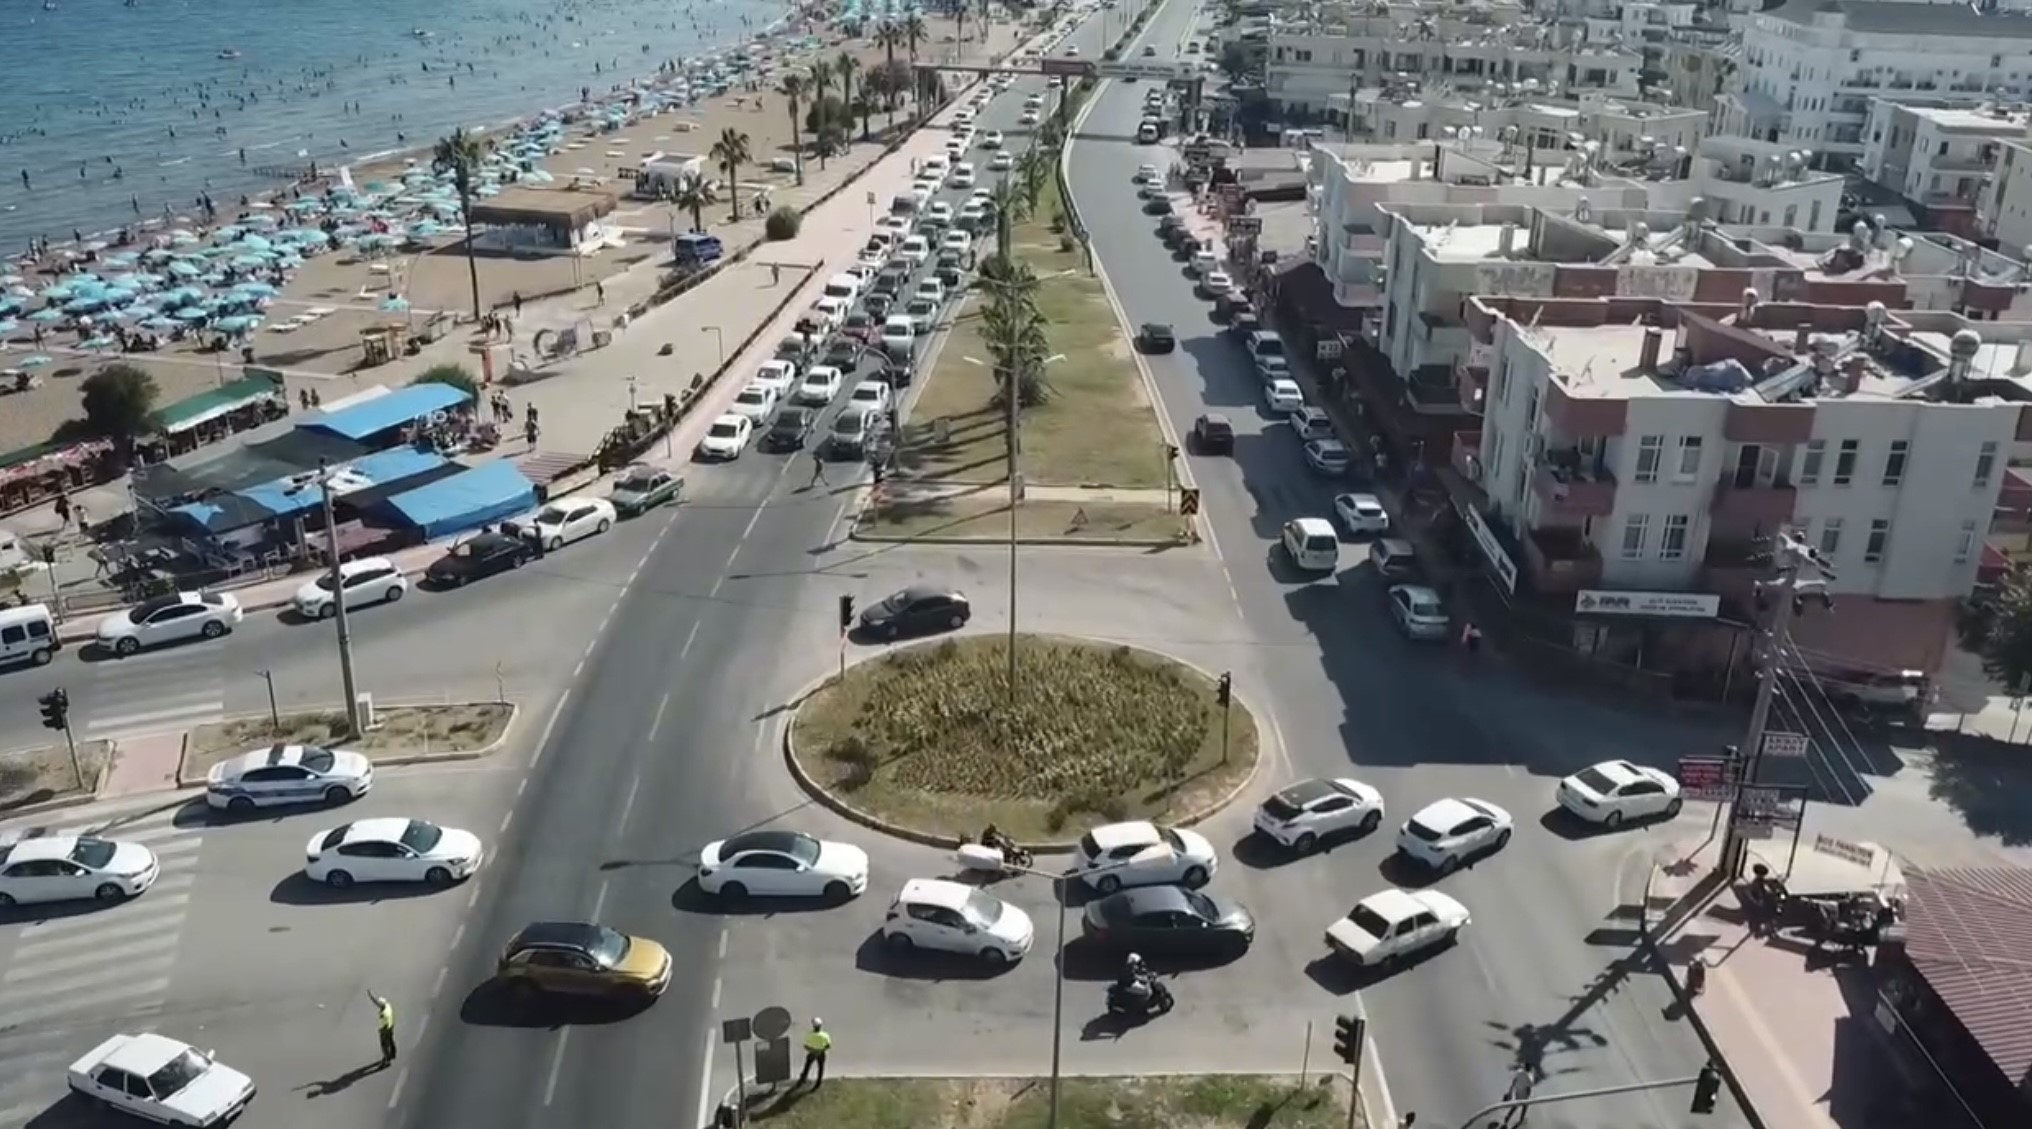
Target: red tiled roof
column 1969, row 933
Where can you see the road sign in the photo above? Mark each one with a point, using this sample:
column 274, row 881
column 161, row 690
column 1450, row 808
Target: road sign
column 1078, row 68
column 1764, row 806
column 1079, row 518
column 1707, row 778
column 1188, row 501
column 1328, row 349
column 772, row 1023
column 1245, row 225
column 739, row 1029
column 1785, row 744
column 772, row 1062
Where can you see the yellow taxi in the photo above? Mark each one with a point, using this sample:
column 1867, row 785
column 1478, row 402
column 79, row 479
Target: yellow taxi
column 570, row 958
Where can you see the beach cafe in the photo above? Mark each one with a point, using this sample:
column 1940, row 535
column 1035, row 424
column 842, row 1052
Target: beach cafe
column 545, row 218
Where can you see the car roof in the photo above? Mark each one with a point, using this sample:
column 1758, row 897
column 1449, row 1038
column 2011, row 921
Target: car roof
column 1417, row 592
column 782, row 842
column 925, row 591
column 1445, row 815
column 144, row 1054
column 731, row 418
column 1281, row 383
column 794, row 414
column 1307, row 792
column 1108, row 836
column 1149, row 899
column 1622, row 772
column 1393, row 904
column 1397, row 545
column 378, row 829
column 942, row 892
column 1328, row 446
column 1217, row 419
column 37, row 848
column 261, row 758
column 1361, row 499
column 1313, row 526
column 556, row 935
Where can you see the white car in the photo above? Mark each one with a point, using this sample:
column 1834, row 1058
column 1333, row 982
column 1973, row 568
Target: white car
column 872, row 395
column 1029, row 117
column 1312, row 811
column 939, row 213
column 727, row 437
column 777, row 376
column 62, row 868
column 914, row 250
column 1283, row 396
column 1446, row 833
column 1390, row 925
column 166, row 619
column 957, row 242
column 1217, row 283
column 991, row 139
column 1141, row 853
column 1204, row 262
column 922, row 312
column 755, row 401
column 571, row 519
column 1361, row 513
column 1326, row 456
column 1146, row 174
column 931, row 289
column 974, row 212
column 935, row 913
column 782, row 864
column 899, row 334
column 1419, row 612
column 895, row 226
column 963, row 175
column 1614, row 791
column 820, row 385
column 157, row 1078
column 830, row 312
column 1033, row 101
column 1002, row 162
column 281, row 775
column 392, row 850
column 375, row 580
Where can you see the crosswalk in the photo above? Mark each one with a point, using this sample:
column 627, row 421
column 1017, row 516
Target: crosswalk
column 155, row 692
column 74, row 974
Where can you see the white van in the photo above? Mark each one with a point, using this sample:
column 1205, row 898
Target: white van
column 1147, row 132
column 28, row 635
column 1312, row 544
column 845, row 287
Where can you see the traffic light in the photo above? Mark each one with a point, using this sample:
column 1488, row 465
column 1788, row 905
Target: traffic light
column 1706, row 1088
column 846, row 614
column 56, row 709
column 1171, row 450
column 1224, row 691
column 1349, row 1031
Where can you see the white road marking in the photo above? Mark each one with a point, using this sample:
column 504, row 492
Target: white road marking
column 689, row 639
column 723, row 944
column 599, row 902
column 705, row 1089
column 628, row 805
column 438, row 986
column 557, row 711
column 556, row 1065
column 506, row 819
column 717, row 985
column 473, row 899
column 665, row 703
column 459, row 934
column 395, row 1095
column 75, row 1001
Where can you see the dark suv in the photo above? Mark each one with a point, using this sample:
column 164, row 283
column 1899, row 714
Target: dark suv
column 1212, row 434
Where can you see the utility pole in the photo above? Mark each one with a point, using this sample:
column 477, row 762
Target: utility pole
column 336, row 578
column 1011, row 393
column 1800, row 571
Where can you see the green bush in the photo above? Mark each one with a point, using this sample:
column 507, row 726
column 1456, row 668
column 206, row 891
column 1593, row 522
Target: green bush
column 454, row 375
column 782, row 224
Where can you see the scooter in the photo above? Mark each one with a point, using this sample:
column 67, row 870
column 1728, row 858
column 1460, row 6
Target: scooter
column 1129, row 1005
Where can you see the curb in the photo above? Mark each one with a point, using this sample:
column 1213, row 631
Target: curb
column 1676, row 980
column 76, row 800
column 832, row 801
column 1042, row 542
column 85, row 638
column 397, row 761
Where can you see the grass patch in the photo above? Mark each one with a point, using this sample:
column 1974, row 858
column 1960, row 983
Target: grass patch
column 399, row 731
column 928, row 737
column 1099, row 428
column 35, row 776
column 985, row 516
column 1219, row 1101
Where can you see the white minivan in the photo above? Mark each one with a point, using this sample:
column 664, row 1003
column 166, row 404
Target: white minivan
column 845, row 287
column 28, row 635
column 1312, row 544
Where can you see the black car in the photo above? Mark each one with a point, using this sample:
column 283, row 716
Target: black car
column 791, row 431
column 1169, row 921
column 1227, row 307
column 842, row 353
column 878, row 305
column 1156, row 337
column 1212, row 434
column 950, row 277
column 478, row 557
column 1170, row 227
column 890, row 282
column 1157, row 206
column 920, row 607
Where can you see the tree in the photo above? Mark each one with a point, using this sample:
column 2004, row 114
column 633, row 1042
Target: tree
column 821, row 78
column 461, row 155
column 828, row 120
column 453, row 375
column 1234, row 61
column 1997, row 626
column 848, row 67
column 119, row 399
column 1012, row 327
column 890, row 37
column 691, row 193
column 959, row 14
column 793, row 91
column 1033, row 172
column 864, row 108
column 729, row 153
column 914, row 33
column 783, row 223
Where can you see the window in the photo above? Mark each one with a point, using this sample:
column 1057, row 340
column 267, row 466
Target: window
column 1650, row 450
column 1986, row 464
column 1880, row 535
column 1636, row 533
column 1809, row 467
column 1894, row 462
column 1965, row 545
column 1830, row 537
column 1845, row 463
column 1689, row 459
column 1672, row 546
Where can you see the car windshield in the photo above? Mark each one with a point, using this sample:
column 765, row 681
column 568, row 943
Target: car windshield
column 984, row 909
column 1171, row 839
column 751, row 396
column 92, row 854
column 1594, row 781
column 640, row 481
column 849, row 424
column 1426, row 608
column 607, row 946
column 550, row 515
column 724, row 430
column 316, row 759
column 789, row 421
column 172, row 1076
column 1369, row 921
column 1089, row 846
column 1202, row 906
column 421, row 836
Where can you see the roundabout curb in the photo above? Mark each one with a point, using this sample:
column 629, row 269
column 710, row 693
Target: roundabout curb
column 832, row 801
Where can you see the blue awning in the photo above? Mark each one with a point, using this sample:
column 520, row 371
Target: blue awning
column 385, row 413
column 465, row 501
column 224, row 513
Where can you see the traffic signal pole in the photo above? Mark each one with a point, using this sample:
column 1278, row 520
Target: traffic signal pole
column 56, row 714
column 1707, row 1077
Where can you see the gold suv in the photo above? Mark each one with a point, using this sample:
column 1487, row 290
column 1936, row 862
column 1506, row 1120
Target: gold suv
column 579, row 959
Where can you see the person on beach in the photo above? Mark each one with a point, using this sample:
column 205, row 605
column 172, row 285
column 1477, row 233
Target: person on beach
column 518, row 303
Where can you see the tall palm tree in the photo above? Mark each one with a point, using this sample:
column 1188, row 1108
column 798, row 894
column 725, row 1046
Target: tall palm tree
column 461, row 155
column 1013, row 329
column 1033, row 170
column 914, row 33
column 822, row 75
column 729, row 153
column 848, row 67
column 1010, row 206
column 691, row 194
column 890, row 37
column 793, row 92
column 863, row 108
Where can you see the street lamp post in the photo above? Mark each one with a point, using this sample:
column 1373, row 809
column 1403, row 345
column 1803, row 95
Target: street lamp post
column 719, row 339
column 336, row 578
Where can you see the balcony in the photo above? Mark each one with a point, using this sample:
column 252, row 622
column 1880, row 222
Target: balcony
column 1472, row 382
column 1569, row 489
column 1367, row 244
column 1561, row 561
column 1746, row 508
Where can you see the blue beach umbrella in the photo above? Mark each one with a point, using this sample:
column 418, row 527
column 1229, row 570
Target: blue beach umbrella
column 395, row 305
column 83, row 305
column 36, row 360
column 9, row 325
column 193, row 314
column 9, row 305
column 251, row 262
column 256, row 243
column 101, row 342
column 46, row 315
column 255, row 290
column 184, row 268
column 239, row 323
column 58, row 293
column 160, row 325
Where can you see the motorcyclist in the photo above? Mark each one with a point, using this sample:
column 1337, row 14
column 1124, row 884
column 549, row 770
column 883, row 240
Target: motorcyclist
column 1134, row 983
column 992, row 836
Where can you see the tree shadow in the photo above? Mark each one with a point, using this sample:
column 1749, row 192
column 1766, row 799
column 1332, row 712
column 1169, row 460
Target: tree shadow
column 1985, row 782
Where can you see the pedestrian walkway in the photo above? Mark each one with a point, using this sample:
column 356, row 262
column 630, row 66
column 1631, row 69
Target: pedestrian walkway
column 75, row 974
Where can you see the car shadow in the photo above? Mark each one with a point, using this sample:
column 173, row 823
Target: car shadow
column 71, row 1111
column 1342, row 977
column 1405, row 874
column 493, row 1003
column 1258, row 851
column 691, row 898
column 880, row 957
column 41, row 912
column 297, row 889
column 1573, row 828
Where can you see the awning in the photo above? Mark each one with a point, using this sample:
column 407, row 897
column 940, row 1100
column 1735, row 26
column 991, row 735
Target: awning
column 385, row 413
column 208, row 406
column 394, row 468
column 481, row 495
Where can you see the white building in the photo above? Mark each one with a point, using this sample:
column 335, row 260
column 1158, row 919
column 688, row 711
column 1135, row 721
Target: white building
column 1623, row 130
column 1941, row 157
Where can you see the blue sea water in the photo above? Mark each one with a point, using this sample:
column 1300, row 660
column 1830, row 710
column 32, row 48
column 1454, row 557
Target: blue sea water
column 110, row 105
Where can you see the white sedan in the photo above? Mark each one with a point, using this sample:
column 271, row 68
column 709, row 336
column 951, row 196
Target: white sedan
column 572, row 519
column 991, row 139
column 375, row 580
column 755, row 401
column 1447, row 833
column 1361, row 513
column 157, row 1078
column 1029, row 118
column 937, row 913
column 1614, row 791
column 1002, row 161
column 62, row 868
column 777, row 376
column 869, row 395
column 167, row 619
column 782, row 864
column 1217, row 283
column 1313, row 811
column 1283, row 396
column 820, row 385
column 1141, row 853
column 727, row 437
column 288, row 774
column 1145, row 174
column 914, row 251
column 392, row 850
column 1392, row 924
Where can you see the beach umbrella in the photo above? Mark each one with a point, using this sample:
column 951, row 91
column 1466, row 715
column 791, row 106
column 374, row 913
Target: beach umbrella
column 193, row 313
column 182, row 239
column 36, row 360
column 289, row 262
column 239, row 323
column 9, row 305
column 83, row 305
column 252, row 262
column 20, row 291
column 101, row 342
column 395, row 305
column 46, row 315
column 215, row 278
column 184, row 268
column 160, row 325
column 97, row 245
column 260, row 219
column 123, row 259
column 57, row 293
column 10, row 280
column 9, row 325
column 255, row 290
column 256, row 243
column 117, row 295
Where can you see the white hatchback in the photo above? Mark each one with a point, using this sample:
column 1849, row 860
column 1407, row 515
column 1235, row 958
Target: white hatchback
column 392, row 850
column 1614, row 791
column 62, row 868
column 727, row 437
column 1283, row 396
column 782, row 864
column 1141, row 853
column 1447, row 833
column 1361, row 513
column 936, row 913
column 1319, row 810
column 820, row 385
column 374, row 580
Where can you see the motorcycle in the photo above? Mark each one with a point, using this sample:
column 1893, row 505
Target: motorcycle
column 1001, row 860
column 1130, row 1005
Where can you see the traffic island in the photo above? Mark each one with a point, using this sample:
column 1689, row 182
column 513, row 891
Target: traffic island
column 399, row 735
column 927, row 742
column 974, row 514
column 48, row 777
column 1205, row 1101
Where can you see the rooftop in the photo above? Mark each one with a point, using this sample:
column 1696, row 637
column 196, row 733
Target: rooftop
column 1973, row 119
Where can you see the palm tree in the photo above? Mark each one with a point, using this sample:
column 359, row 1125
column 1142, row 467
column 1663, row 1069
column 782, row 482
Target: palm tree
column 793, row 90
column 691, row 193
column 914, row 33
column 461, row 155
column 890, row 37
column 959, row 14
column 1014, row 331
column 863, row 108
column 822, row 76
column 1033, row 169
column 729, row 153
column 1010, row 206
column 848, row 68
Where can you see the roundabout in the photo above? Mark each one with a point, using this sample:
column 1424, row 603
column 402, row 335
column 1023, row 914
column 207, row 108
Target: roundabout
column 928, row 741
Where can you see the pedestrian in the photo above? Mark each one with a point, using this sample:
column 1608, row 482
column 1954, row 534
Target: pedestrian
column 1471, row 638
column 876, row 468
column 317, row 398
column 63, row 511
column 1521, row 1083
column 1696, row 977
column 303, row 398
column 817, row 470
column 518, row 303
column 384, row 1017
column 775, row 273
column 529, row 429
column 816, row 1045
column 600, row 292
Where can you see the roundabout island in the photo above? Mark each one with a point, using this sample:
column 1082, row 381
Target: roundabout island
column 929, row 741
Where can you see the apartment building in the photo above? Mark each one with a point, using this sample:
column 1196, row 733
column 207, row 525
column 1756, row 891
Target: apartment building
column 1941, row 156
column 1809, row 69
column 1622, row 131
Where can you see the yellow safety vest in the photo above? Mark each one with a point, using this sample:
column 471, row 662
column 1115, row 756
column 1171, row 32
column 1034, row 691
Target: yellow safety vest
column 818, row 1042
column 387, row 1016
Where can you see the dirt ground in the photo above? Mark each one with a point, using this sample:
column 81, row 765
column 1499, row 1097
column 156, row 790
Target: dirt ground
column 1157, row 1102
column 404, row 731
column 35, row 776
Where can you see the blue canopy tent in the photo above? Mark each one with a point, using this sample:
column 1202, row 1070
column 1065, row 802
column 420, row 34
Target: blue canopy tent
column 362, row 422
column 465, row 501
column 222, row 513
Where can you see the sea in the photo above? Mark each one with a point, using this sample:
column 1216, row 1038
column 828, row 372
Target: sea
column 116, row 110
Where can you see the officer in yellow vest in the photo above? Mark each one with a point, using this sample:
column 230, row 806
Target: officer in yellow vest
column 816, row 1043
column 384, row 1014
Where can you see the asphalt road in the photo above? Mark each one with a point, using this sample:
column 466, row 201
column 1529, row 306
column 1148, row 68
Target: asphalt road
column 1545, row 973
